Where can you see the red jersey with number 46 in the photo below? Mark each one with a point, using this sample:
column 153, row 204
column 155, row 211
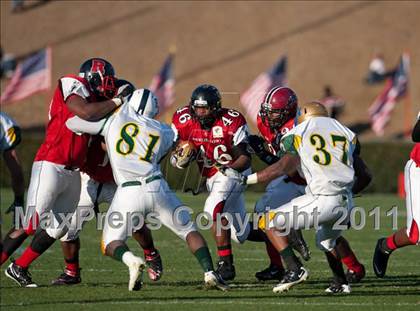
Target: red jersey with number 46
column 273, row 141
column 97, row 164
column 62, row 146
column 214, row 145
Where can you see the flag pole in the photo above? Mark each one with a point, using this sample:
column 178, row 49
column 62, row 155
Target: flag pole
column 407, row 106
column 172, row 52
column 407, row 116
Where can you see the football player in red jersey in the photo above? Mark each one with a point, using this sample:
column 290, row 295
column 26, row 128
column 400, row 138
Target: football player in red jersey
column 275, row 119
column 220, row 135
column 55, row 181
column 410, row 234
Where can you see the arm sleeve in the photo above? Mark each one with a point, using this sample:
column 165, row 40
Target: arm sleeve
column 71, row 86
column 290, row 144
column 79, row 126
column 241, row 135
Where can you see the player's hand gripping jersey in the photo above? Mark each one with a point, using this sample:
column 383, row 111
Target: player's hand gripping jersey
column 214, row 145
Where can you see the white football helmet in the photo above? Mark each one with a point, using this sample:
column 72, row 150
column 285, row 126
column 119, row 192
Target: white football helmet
column 144, row 102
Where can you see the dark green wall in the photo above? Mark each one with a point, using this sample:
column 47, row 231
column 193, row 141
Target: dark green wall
column 386, row 160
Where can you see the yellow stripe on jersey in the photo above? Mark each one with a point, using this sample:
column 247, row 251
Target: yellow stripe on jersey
column 103, row 246
column 11, row 135
column 297, row 142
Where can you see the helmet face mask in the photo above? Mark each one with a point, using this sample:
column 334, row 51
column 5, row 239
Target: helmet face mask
column 205, row 105
column 279, row 106
column 274, row 118
column 100, row 75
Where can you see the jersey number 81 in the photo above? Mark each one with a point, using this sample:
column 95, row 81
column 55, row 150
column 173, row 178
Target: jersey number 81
column 125, row 145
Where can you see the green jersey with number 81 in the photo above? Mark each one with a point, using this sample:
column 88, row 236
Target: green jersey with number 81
column 135, row 143
column 325, row 148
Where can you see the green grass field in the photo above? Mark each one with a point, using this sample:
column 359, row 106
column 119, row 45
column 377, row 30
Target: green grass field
column 104, row 281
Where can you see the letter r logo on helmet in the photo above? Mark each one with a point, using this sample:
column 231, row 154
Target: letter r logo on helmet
column 98, row 65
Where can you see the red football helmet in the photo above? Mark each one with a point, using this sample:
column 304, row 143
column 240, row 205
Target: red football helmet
column 279, row 106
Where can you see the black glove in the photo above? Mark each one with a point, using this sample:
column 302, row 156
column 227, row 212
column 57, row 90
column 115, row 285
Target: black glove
column 257, row 143
column 124, row 92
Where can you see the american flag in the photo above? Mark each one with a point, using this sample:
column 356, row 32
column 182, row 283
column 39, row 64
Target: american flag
column 32, row 74
column 396, row 87
column 163, row 85
column 252, row 98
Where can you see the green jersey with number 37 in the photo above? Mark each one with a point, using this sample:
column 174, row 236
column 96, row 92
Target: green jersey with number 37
column 325, row 148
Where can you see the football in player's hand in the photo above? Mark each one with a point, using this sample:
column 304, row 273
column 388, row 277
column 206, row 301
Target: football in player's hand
column 184, row 153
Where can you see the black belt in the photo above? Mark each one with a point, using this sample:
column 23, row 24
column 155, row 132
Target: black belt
column 139, row 183
column 71, row 168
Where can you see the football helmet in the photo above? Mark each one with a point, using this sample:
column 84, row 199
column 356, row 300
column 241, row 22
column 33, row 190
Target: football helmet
column 100, row 75
column 279, row 106
column 206, row 96
column 144, row 102
column 310, row 110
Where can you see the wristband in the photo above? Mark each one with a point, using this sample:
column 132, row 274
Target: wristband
column 117, row 101
column 252, row 179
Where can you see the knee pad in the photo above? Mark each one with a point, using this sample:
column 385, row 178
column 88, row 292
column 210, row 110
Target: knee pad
column 240, row 237
column 56, row 233
column 325, row 245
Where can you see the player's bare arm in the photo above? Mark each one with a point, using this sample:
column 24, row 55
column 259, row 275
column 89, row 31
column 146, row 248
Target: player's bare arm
column 286, row 165
column 91, row 111
column 242, row 158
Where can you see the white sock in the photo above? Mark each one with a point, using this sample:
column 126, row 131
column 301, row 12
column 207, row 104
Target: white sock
column 128, row 258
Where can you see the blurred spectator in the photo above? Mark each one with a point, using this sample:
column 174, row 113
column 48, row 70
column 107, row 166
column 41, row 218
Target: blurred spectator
column 7, row 64
column 17, row 6
column 334, row 104
column 377, row 72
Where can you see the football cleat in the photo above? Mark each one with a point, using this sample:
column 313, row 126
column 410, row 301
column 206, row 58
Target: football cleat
column 135, row 269
column 154, row 266
column 337, row 287
column 380, row 259
column 355, row 277
column 19, row 275
column 213, row 280
column 68, row 278
column 226, row 270
column 290, row 279
column 271, row 273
